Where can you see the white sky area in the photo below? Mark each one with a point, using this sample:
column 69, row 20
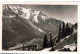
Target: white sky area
column 67, row 13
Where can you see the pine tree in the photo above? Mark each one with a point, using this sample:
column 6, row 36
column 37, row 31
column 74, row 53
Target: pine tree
column 23, row 47
column 71, row 29
column 60, row 32
column 59, row 28
column 59, row 35
column 68, row 30
column 58, row 39
column 63, row 30
column 51, row 41
column 45, row 42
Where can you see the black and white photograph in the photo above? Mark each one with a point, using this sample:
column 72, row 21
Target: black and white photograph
column 39, row 27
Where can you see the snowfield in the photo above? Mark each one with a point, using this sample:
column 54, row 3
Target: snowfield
column 17, row 46
column 71, row 46
column 46, row 49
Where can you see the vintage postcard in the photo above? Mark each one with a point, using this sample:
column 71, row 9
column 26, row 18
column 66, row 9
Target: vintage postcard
column 39, row 26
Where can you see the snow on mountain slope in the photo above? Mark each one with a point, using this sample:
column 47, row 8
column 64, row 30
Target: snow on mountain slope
column 35, row 41
column 46, row 49
column 68, row 42
column 71, row 46
column 37, row 18
column 18, row 28
column 22, row 13
column 26, row 13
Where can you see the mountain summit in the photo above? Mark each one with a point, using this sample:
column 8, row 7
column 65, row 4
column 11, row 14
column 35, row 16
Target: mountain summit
column 23, row 12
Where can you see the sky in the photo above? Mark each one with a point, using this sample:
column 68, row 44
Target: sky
column 66, row 13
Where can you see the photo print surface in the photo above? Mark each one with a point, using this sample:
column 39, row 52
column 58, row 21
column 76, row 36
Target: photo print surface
column 39, row 27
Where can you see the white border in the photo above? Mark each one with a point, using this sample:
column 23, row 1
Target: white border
column 39, row 0
column 45, row 2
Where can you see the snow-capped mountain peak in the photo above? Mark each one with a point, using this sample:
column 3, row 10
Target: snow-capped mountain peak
column 26, row 13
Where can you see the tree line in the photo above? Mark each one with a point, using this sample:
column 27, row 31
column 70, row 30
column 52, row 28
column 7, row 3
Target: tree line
column 47, row 43
column 64, row 30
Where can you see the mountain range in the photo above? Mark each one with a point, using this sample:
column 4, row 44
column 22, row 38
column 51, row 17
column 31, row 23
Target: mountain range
column 21, row 24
